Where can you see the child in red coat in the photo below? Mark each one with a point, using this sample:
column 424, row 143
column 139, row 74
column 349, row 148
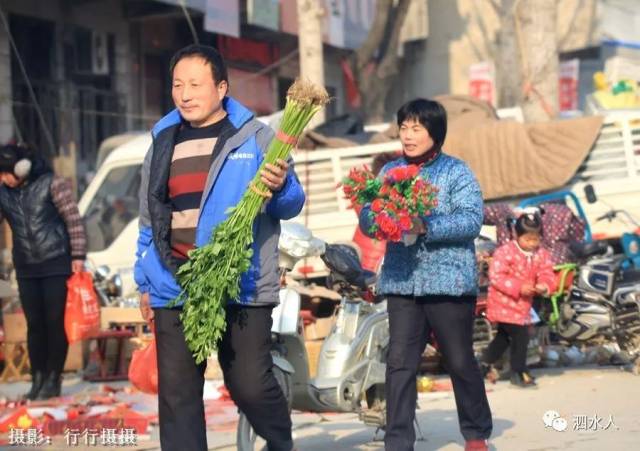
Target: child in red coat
column 520, row 270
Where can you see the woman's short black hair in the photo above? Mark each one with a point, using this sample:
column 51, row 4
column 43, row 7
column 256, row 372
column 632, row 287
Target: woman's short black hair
column 430, row 114
column 529, row 223
column 209, row 54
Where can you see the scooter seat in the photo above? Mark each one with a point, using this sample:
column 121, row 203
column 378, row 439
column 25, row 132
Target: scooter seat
column 364, row 280
column 343, row 262
column 586, row 250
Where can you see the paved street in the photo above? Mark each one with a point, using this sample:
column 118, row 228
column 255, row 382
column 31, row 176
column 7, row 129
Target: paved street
column 517, row 413
column 587, row 398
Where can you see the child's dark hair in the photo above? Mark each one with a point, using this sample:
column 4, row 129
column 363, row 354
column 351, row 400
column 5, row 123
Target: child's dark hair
column 430, row 114
column 528, row 223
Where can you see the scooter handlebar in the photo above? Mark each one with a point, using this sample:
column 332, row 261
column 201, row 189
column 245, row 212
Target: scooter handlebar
column 612, row 214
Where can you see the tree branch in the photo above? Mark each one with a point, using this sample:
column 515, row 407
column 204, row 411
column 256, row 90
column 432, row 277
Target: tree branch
column 389, row 63
column 489, row 46
column 497, row 7
column 371, row 44
column 563, row 40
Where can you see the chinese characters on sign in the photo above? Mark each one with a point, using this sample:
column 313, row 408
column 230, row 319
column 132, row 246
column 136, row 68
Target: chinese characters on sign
column 482, row 81
column 568, row 85
column 76, row 437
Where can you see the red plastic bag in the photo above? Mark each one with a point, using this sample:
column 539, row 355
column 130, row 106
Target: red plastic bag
column 82, row 312
column 143, row 369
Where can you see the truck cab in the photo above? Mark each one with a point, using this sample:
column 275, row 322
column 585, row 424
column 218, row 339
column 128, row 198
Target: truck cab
column 110, row 207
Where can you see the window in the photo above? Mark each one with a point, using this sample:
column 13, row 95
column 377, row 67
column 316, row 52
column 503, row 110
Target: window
column 113, row 207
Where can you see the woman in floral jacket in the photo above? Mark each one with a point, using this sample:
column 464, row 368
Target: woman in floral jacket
column 431, row 284
column 520, row 270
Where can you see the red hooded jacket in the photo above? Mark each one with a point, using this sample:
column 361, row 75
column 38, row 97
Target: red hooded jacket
column 511, row 267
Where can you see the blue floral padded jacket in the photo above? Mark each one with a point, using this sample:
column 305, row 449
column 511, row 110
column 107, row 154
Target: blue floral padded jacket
column 442, row 261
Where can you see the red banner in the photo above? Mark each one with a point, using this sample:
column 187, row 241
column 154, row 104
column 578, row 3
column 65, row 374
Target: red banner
column 247, row 51
column 568, row 85
column 482, row 82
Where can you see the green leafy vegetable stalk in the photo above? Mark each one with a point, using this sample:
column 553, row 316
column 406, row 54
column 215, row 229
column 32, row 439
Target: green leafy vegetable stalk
column 211, row 277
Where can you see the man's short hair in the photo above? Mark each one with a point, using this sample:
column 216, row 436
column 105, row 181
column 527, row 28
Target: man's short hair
column 207, row 53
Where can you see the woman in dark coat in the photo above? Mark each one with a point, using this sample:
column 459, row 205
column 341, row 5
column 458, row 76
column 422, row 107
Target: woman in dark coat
column 49, row 244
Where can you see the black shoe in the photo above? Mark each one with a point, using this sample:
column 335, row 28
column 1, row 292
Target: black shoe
column 51, row 386
column 523, row 380
column 37, row 379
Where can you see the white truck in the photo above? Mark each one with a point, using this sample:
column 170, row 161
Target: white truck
column 110, row 202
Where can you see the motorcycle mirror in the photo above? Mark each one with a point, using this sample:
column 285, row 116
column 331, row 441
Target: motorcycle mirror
column 115, row 286
column 590, row 193
column 102, row 271
column 117, row 281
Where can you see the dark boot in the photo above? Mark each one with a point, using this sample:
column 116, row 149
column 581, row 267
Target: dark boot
column 51, row 386
column 37, row 379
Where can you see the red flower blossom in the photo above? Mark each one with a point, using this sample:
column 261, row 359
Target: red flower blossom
column 377, row 205
column 405, row 222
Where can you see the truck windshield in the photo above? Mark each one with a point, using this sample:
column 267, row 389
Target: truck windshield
column 113, row 207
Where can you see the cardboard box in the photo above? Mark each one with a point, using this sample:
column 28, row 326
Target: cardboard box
column 319, row 329
column 15, row 327
column 15, row 331
column 75, row 357
column 120, row 315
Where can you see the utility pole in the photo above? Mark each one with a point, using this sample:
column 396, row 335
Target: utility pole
column 310, row 15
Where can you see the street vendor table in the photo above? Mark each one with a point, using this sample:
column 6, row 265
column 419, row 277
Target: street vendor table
column 120, row 324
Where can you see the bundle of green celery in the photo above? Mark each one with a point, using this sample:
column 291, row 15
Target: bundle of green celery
column 211, row 276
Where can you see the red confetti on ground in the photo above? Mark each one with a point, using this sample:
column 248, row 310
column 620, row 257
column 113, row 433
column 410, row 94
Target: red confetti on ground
column 442, row 386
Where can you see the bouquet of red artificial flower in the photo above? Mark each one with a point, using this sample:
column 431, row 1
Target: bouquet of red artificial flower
column 396, row 199
column 361, row 187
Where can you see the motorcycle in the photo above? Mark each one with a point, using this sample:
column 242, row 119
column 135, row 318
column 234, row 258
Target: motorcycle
column 603, row 301
column 351, row 365
column 599, row 297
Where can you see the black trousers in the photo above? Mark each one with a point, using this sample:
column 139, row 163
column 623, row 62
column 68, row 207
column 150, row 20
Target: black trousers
column 43, row 301
column 245, row 359
column 512, row 335
column 411, row 321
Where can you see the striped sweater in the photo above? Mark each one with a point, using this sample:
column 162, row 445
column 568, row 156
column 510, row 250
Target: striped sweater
column 190, row 163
